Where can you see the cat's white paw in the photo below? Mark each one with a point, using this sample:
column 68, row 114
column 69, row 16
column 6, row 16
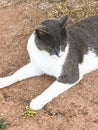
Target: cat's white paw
column 37, row 104
column 4, row 82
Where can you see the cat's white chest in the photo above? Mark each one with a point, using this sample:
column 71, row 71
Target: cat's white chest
column 51, row 65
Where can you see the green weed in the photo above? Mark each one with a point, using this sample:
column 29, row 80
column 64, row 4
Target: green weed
column 2, row 124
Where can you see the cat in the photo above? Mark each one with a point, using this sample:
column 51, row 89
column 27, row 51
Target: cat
column 61, row 51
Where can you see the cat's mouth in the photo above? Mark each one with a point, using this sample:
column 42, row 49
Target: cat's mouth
column 59, row 53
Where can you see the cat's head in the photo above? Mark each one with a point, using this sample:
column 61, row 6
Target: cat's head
column 51, row 36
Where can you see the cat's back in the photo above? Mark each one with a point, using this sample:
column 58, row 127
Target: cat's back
column 85, row 33
column 89, row 25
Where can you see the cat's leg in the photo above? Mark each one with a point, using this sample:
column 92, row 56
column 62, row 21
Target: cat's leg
column 53, row 91
column 25, row 72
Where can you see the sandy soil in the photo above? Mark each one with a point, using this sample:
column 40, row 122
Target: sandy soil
column 76, row 109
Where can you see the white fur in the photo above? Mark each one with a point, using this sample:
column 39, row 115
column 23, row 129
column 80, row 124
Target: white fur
column 89, row 64
column 41, row 62
column 25, row 72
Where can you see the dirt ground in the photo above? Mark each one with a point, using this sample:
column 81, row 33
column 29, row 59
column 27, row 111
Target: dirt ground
column 76, row 109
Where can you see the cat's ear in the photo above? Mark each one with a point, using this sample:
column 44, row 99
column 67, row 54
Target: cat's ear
column 41, row 30
column 63, row 21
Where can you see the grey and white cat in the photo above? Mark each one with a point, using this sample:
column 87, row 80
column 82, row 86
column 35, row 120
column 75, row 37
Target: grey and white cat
column 65, row 53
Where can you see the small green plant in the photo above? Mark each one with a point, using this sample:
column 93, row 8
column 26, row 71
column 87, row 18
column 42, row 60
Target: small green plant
column 2, row 124
column 28, row 112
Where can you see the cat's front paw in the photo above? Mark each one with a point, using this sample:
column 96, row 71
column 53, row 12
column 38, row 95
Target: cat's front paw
column 2, row 83
column 37, row 104
column 6, row 81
